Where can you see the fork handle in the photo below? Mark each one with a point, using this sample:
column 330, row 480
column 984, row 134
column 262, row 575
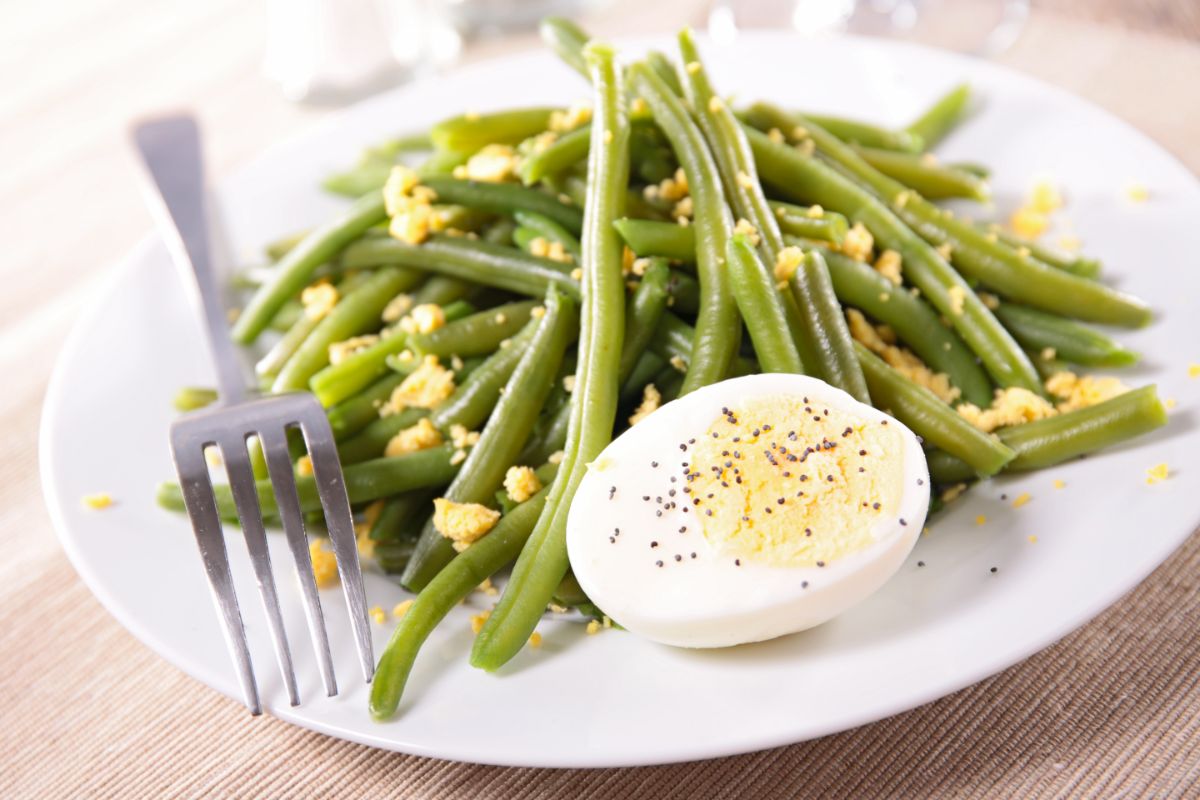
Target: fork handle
column 170, row 149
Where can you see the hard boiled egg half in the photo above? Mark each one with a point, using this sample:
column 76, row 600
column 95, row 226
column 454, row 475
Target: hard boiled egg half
column 749, row 509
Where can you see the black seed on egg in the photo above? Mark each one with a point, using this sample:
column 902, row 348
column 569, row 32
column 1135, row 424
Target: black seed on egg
column 658, row 563
column 678, row 557
column 820, row 563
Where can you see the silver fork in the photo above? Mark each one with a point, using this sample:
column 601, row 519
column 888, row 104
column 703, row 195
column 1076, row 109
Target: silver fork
column 171, row 151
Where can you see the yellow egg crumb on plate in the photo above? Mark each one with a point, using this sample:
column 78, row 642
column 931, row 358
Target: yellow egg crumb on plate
column 535, row 640
column 1158, row 473
column 1021, row 499
column 324, row 563
column 401, row 608
column 97, row 500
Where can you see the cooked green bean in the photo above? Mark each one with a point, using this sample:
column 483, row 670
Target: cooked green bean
column 358, row 181
column 336, row 382
column 357, row 312
column 865, row 133
column 567, row 40
column 191, row 398
column 925, row 174
column 1070, row 340
column 355, row 413
column 661, row 64
column 282, row 246
column 717, row 329
column 395, row 519
column 543, row 560
column 504, row 198
column 442, row 593
column 757, row 300
column 372, row 439
column 941, row 117
column 565, row 151
column 1084, row 267
column 370, row 480
column 914, row 321
column 296, row 268
column 549, row 230
column 813, row 289
column 1011, row 272
column 647, row 238
column 643, row 372
column 477, row 335
column 930, row 418
column 1063, row 437
column 504, row 435
column 807, row 223
column 643, row 311
column 482, row 262
column 467, row 133
column 792, row 172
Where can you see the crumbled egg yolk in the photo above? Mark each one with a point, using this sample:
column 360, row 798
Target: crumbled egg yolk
column 378, row 615
column 684, row 210
column 782, row 496
column 1069, row 243
column 744, row 228
column 425, row 318
column 593, row 627
column 787, row 262
column 1075, row 391
column 97, row 500
column 304, row 466
column 318, row 299
column 340, row 351
column 494, row 163
column 556, row 457
column 421, row 436
column 858, row 242
column 535, row 640
column 428, row 385
column 478, row 620
column 1011, row 406
column 1044, row 197
column 1060, row 484
column 397, row 307
column 981, row 520
column 324, row 563
column 888, row 265
column 1137, row 193
column 521, row 483
column 1021, row 500
column 881, row 342
column 401, row 608
column 776, row 136
column 651, row 399
column 678, row 363
column 487, row 588
column 541, row 246
column 1194, row 370
column 672, row 189
column 463, row 437
column 958, row 298
column 568, row 383
column 397, row 191
column 1159, row 472
column 462, row 523
column 953, row 493
column 408, row 204
column 570, row 119
column 1029, row 223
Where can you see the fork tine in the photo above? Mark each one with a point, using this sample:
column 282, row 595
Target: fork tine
column 192, row 469
column 245, row 496
column 331, row 486
column 279, row 466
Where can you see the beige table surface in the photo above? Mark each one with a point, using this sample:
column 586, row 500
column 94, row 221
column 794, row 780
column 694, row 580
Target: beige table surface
column 87, row 711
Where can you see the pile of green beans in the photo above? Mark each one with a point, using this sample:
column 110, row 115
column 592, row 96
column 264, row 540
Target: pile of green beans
column 536, row 361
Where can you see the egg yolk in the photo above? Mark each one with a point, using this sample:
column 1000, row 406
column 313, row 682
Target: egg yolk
column 783, row 481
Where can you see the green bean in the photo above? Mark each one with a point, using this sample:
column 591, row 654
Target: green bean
column 370, row 480
column 336, row 382
column 457, row 579
column 1070, row 340
column 1060, row 438
column 288, row 314
column 482, row 262
column 442, row 290
column 504, row 435
column 813, row 289
column 355, row 313
column 504, row 198
column 792, row 172
column 395, row 519
column 717, row 328
column 865, row 133
column 643, row 311
column 371, row 440
column 355, row 413
column 757, row 300
column 643, row 372
column 806, row 223
column 647, row 238
column 477, row 335
column 191, row 398
column 924, row 174
column 673, row 342
column 282, row 246
column 391, row 149
column 549, row 230
column 978, row 170
column 296, row 268
column 914, row 321
column 467, row 133
column 930, row 418
column 358, row 181
column 441, row 162
column 1084, row 267
column 684, row 292
column 661, row 64
column 543, row 560
column 549, row 437
column 500, row 232
column 941, row 117
column 565, row 151
column 1013, row 273
column 651, row 160
column 567, row 40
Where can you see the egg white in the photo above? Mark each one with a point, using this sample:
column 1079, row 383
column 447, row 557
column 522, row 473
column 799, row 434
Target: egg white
column 708, row 600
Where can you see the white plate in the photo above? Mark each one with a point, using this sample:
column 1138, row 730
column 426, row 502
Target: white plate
column 611, row 699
